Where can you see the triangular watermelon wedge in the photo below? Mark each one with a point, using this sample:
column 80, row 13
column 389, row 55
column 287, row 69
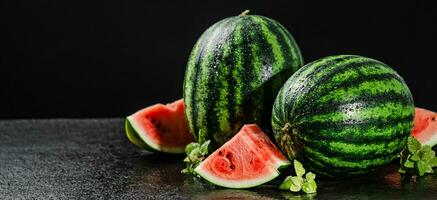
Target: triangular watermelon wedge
column 159, row 127
column 247, row 160
column 425, row 127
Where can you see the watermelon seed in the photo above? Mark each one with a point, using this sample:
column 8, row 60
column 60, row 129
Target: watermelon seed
column 433, row 118
column 220, row 153
column 232, row 167
column 228, row 155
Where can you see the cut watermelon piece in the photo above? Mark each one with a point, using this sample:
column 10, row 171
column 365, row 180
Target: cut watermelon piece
column 247, row 160
column 425, row 127
column 162, row 128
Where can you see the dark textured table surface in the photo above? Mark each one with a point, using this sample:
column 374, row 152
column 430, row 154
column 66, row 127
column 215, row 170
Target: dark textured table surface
column 92, row 159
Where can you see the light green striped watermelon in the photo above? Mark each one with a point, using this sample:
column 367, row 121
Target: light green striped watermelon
column 234, row 73
column 343, row 115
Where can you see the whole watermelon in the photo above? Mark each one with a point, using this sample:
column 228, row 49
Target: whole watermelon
column 343, row 115
column 234, row 73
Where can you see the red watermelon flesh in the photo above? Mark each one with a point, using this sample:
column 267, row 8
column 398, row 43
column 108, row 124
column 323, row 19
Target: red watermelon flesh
column 249, row 159
column 160, row 127
column 425, row 126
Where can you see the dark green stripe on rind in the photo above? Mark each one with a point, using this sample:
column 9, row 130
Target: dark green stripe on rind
column 288, row 44
column 214, row 103
column 301, row 82
column 360, row 112
column 258, row 43
column 234, row 72
column 360, row 132
column 346, row 115
column 330, row 168
column 348, row 151
column 236, row 100
column 192, row 75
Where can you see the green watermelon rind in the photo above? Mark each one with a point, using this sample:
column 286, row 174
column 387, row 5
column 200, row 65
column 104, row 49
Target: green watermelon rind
column 134, row 138
column 234, row 73
column 315, row 110
column 140, row 139
column 280, row 164
column 433, row 141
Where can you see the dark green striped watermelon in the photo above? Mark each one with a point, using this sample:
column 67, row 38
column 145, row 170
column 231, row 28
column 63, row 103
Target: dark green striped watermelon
column 234, row 73
column 343, row 115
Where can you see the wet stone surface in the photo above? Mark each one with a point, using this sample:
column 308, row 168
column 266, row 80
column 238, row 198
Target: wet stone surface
column 92, row 159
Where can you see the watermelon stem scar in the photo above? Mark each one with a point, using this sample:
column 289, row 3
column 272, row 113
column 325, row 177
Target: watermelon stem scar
column 244, row 13
column 287, row 128
column 289, row 137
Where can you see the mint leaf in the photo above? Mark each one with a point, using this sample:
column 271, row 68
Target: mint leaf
column 427, row 155
column 409, row 164
column 433, row 163
column 421, row 167
column 297, row 183
column 309, row 186
column 191, row 146
column 298, row 168
column 413, row 145
column 426, row 148
column 417, row 159
column 415, row 156
column 205, row 146
column 429, row 169
column 401, row 170
column 286, row 184
column 310, row 176
column 196, row 153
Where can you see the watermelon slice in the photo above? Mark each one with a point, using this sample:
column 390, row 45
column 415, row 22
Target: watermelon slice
column 162, row 128
column 425, row 126
column 247, row 160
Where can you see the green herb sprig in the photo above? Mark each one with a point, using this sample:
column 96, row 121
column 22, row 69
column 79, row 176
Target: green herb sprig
column 298, row 182
column 417, row 159
column 196, row 152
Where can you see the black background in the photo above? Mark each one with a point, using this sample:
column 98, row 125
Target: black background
column 111, row 58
